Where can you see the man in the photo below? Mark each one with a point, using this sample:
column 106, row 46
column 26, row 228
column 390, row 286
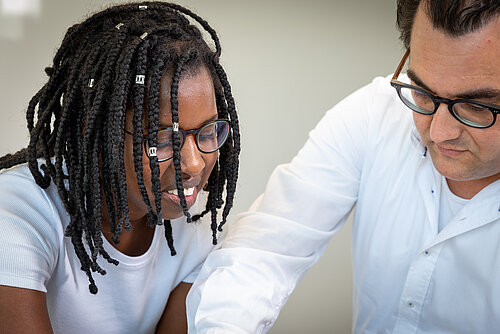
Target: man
column 425, row 183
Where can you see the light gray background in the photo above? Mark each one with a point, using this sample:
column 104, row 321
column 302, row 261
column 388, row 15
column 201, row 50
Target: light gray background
column 288, row 62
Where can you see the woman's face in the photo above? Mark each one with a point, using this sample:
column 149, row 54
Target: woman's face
column 197, row 105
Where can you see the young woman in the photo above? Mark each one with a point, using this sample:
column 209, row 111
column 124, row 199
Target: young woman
column 134, row 136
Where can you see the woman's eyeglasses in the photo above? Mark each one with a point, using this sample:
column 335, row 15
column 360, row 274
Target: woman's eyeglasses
column 209, row 137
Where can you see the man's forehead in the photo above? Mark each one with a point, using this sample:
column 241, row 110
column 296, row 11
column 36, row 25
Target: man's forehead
column 455, row 66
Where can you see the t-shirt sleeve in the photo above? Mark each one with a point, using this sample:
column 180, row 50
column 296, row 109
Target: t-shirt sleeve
column 28, row 237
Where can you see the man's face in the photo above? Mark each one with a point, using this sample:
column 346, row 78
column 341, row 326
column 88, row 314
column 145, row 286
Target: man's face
column 463, row 67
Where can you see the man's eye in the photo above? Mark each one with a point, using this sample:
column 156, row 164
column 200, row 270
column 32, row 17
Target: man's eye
column 473, row 107
column 417, row 95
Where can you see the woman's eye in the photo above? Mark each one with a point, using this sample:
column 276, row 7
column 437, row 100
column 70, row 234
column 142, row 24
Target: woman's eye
column 165, row 144
column 207, row 136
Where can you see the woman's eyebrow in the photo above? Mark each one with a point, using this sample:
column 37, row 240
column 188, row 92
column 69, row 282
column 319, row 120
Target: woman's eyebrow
column 213, row 118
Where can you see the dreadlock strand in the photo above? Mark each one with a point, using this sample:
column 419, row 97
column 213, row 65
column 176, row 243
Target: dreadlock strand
column 169, row 237
column 233, row 163
column 111, row 135
column 118, row 108
column 153, row 113
column 174, row 109
column 139, row 97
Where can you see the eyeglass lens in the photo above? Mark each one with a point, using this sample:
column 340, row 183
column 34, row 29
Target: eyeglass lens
column 209, row 138
column 469, row 113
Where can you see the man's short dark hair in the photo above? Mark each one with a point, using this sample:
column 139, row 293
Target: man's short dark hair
column 453, row 17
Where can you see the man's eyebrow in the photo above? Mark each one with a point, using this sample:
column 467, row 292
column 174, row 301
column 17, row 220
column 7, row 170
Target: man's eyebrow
column 474, row 94
column 414, row 77
column 482, row 93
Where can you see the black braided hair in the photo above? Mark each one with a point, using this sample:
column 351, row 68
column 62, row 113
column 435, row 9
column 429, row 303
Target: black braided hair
column 76, row 120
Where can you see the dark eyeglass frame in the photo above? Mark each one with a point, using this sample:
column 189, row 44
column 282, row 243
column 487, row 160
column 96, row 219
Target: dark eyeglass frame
column 437, row 100
column 184, row 134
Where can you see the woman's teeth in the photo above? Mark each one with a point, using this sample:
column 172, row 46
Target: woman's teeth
column 187, row 191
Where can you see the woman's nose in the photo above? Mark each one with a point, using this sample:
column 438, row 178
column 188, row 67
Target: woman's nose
column 192, row 162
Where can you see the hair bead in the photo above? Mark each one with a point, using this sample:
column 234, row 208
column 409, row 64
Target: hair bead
column 139, row 79
column 152, row 151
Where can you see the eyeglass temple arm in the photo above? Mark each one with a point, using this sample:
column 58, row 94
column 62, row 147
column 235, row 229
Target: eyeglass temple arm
column 401, row 64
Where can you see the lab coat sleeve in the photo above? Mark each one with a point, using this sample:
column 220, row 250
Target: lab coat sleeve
column 243, row 285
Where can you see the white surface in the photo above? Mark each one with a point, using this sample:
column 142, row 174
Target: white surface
column 20, row 7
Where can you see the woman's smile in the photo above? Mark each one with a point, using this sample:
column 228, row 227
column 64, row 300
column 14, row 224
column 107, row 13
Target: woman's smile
column 189, row 193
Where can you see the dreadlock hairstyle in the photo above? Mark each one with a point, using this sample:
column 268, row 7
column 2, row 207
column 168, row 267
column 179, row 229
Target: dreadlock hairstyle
column 106, row 65
column 453, row 17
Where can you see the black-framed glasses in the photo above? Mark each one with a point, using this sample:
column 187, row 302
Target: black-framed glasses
column 209, row 137
column 472, row 113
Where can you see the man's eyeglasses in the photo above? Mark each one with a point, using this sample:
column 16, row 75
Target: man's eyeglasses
column 209, row 137
column 473, row 113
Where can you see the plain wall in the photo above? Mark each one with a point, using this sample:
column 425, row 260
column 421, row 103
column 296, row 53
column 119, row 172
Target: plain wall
column 288, row 62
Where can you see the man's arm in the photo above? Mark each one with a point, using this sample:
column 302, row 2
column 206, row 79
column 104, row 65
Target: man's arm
column 243, row 285
column 23, row 311
column 173, row 319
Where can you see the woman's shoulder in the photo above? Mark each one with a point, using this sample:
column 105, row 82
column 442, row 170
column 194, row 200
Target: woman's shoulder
column 23, row 200
column 31, row 229
column 18, row 185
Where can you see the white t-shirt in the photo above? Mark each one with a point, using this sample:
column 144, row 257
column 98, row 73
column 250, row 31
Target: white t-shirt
column 449, row 205
column 132, row 296
column 408, row 277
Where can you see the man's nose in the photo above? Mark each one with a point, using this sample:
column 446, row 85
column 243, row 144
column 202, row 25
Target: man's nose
column 444, row 126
